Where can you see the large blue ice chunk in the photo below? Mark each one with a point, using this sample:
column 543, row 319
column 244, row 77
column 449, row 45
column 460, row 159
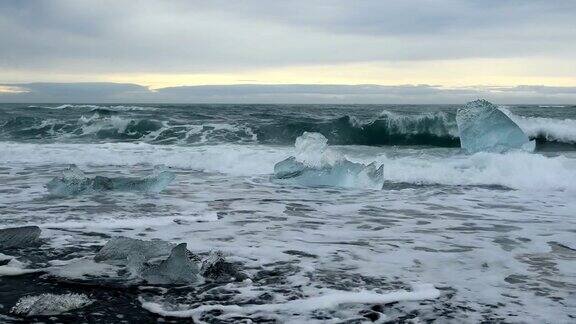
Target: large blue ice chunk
column 315, row 164
column 484, row 128
column 74, row 182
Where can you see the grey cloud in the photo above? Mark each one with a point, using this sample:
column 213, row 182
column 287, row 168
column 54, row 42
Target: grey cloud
column 276, row 93
column 410, row 17
column 543, row 89
column 68, row 36
column 75, row 92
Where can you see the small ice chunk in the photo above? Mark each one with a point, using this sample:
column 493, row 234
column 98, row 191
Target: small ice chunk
column 215, row 267
column 483, row 127
column 74, row 182
column 50, row 304
column 16, row 237
column 178, row 268
column 342, row 174
column 120, row 249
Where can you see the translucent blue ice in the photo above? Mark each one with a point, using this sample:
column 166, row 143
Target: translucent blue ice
column 484, row 128
column 315, row 164
column 74, row 182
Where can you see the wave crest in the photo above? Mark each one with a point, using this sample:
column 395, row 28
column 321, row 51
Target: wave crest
column 120, row 123
column 435, row 129
column 546, row 129
column 96, row 107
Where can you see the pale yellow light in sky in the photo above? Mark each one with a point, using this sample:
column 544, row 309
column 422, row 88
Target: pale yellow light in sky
column 447, row 73
column 454, row 73
column 11, row 89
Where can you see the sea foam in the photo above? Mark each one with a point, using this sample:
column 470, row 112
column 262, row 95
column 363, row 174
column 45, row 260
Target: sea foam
column 516, row 170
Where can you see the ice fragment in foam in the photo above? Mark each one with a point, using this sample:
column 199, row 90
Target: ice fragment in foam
column 74, row 182
column 316, row 164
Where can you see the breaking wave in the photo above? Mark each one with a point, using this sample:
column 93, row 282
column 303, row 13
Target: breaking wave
column 104, row 125
column 95, row 107
column 434, row 129
column 431, row 129
column 516, row 170
column 546, row 131
column 150, row 125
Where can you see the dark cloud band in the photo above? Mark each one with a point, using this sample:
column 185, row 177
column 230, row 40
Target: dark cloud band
column 291, row 93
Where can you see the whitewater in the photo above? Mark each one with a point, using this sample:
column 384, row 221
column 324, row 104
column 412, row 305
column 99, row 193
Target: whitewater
column 446, row 236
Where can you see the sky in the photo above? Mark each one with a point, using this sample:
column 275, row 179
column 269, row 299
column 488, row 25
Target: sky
column 371, row 51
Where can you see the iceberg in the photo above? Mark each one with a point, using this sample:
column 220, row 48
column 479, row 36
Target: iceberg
column 74, row 182
column 16, row 237
column 49, row 304
column 483, row 127
column 178, row 268
column 315, row 164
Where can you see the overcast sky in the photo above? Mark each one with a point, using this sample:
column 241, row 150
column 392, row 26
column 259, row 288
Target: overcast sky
column 453, row 49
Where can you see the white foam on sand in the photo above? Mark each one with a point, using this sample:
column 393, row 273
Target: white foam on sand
column 81, row 269
column 295, row 308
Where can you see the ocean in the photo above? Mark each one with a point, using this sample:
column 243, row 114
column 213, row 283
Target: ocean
column 450, row 237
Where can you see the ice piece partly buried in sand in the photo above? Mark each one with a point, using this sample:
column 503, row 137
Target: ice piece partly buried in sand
column 16, row 237
column 119, row 249
column 216, row 268
column 74, row 182
column 178, row 268
column 50, row 304
column 484, row 128
column 155, row 261
column 316, row 164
